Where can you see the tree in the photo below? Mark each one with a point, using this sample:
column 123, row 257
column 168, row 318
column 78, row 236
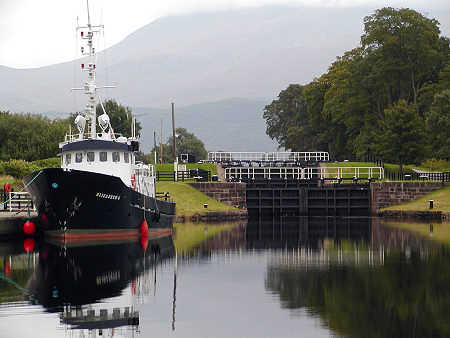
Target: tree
column 187, row 143
column 402, row 136
column 438, row 123
column 121, row 117
column 30, row 137
column 287, row 119
column 408, row 48
column 402, row 57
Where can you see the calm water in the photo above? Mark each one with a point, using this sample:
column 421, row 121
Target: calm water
column 272, row 278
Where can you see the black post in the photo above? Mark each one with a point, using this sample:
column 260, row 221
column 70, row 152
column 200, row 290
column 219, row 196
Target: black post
column 173, row 134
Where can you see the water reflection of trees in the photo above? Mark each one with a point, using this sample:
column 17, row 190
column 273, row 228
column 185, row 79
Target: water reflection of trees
column 404, row 294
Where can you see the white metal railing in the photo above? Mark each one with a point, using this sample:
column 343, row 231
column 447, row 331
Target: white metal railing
column 304, row 173
column 76, row 137
column 317, row 156
column 19, row 201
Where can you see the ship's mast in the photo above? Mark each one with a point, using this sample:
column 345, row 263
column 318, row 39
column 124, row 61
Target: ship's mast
column 89, row 85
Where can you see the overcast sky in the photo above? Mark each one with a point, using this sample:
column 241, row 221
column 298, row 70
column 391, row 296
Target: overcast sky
column 38, row 33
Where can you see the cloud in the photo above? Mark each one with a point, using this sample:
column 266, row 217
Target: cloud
column 37, row 33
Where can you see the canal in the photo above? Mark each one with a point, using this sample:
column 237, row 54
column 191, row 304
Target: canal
column 269, row 277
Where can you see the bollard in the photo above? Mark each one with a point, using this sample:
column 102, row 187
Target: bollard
column 431, row 204
column 205, row 205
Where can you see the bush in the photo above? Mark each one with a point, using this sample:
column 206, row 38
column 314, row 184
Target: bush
column 53, row 162
column 17, row 168
column 436, row 164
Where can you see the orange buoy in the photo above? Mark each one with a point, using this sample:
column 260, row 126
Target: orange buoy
column 144, row 227
column 144, row 242
column 29, row 228
column 29, row 244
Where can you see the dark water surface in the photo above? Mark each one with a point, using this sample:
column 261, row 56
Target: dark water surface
column 269, row 278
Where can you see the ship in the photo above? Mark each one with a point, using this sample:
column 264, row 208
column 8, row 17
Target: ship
column 101, row 189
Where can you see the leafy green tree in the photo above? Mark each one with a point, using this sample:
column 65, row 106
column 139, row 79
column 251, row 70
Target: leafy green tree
column 121, row 117
column 30, row 137
column 314, row 94
column 187, row 143
column 145, row 158
column 408, row 48
column 402, row 137
column 402, row 57
column 287, row 119
column 438, row 123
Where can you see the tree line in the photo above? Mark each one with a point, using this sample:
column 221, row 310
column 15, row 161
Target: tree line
column 390, row 95
column 32, row 137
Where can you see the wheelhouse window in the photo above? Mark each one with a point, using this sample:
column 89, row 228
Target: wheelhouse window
column 68, row 158
column 103, row 156
column 126, row 158
column 116, row 156
column 78, row 157
column 90, row 156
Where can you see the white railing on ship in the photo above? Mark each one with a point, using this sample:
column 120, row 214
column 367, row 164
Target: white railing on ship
column 76, row 137
column 304, row 173
column 320, row 156
column 143, row 169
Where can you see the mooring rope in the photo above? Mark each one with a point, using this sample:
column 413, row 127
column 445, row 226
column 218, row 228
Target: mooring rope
column 21, row 189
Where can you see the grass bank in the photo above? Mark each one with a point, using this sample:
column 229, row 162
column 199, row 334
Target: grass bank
column 441, row 201
column 438, row 232
column 407, row 168
column 349, row 172
column 190, row 201
column 190, row 235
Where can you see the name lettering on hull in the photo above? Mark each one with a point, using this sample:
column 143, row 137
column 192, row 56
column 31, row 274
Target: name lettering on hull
column 108, row 196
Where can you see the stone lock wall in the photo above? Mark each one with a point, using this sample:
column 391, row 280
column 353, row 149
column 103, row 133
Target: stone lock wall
column 384, row 194
column 233, row 194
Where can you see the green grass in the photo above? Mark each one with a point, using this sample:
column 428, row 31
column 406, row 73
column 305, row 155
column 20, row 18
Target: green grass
column 349, row 173
column 16, row 184
column 441, row 202
column 407, row 168
column 205, row 166
column 189, row 235
column 351, row 164
column 441, row 231
column 189, row 200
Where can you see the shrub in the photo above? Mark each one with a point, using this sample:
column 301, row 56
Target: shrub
column 436, row 164
column 17, row 168
column 53, row 162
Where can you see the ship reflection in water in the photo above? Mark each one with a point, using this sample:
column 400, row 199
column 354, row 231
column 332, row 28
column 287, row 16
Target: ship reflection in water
column 71, row 278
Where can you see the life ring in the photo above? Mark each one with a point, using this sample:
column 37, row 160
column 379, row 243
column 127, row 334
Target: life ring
column 133, row 181
column 7, row 188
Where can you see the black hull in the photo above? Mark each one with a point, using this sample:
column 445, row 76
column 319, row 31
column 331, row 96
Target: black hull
column 75, row 200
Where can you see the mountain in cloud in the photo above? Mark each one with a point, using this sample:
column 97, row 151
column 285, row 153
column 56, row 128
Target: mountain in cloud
column 199, row 58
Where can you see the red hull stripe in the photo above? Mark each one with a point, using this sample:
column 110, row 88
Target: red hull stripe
column 106, row 236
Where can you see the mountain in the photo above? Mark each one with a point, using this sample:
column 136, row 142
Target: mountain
column 220, row 68
column 234, row 124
